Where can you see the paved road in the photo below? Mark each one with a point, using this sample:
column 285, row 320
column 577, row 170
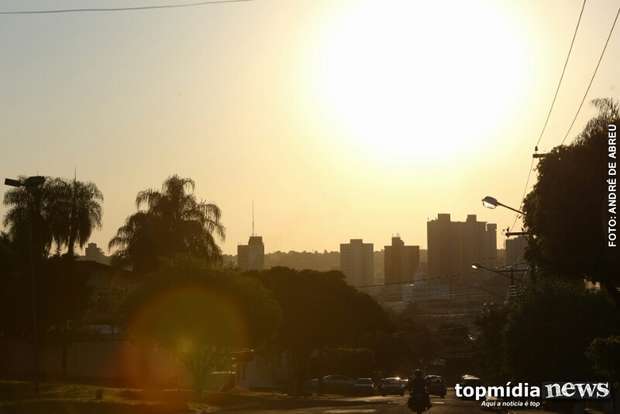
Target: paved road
column 385, row 405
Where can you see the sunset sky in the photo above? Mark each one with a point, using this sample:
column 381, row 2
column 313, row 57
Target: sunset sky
column 340, row 118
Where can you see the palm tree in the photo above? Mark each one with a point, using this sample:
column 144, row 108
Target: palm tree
column 78, row 211
column 28, row 218
column 59, row 212
column 65, row 213
column 168, row 223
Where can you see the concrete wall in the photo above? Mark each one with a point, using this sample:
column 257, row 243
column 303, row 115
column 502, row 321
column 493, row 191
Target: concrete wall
column 121, row 362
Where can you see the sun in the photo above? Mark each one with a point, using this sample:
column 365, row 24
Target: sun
column 421, row 81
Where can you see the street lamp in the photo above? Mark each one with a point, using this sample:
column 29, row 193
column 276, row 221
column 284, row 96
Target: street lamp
column 508, row 273
column 12, row 183
column 478, row 266
column 30, row 184
column 491, row 202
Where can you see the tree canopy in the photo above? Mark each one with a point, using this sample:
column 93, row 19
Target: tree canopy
column 59, row 212
column 168, row 223
column 79, row 212
column 200, row 315
column 556, row 344
column 566, row 212
column 319, row 310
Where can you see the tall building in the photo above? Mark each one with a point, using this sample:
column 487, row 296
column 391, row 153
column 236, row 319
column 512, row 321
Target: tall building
column 357, row 262
column 251, row 256
column 515, row 250
column 454, row 245
column 400, row 262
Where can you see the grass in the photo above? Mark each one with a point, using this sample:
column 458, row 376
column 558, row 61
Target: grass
column 17, row 397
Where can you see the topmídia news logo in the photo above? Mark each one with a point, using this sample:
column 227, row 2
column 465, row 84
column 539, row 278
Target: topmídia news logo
column 547, row 391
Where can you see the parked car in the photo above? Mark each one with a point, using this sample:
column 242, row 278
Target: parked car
column 365, row 386
column 338, row 384
column 469, row 380
column 436, row 385
column 392, row 385
column 311, row 385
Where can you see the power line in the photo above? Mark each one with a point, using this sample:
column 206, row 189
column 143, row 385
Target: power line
column 527, row 183
column 557, row 89
column 600, row 59
column 118, row 9
column 555, row 96
column 411, row 282
column 472, row 291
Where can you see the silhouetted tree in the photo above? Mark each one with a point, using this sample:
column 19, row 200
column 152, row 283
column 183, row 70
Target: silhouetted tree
column 566, row 212
column 78, row 210
column 605, row 356
column 200, row 314
column 59, row 211
column 29, row 219
column 414, row 342
column 551, row 327
column 489, row 344
column 173, row 222
column 319, row 310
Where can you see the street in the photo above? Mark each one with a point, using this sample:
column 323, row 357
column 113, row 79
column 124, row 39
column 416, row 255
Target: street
column 384, row 405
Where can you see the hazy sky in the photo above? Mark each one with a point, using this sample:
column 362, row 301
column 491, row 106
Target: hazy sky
column 339, row 118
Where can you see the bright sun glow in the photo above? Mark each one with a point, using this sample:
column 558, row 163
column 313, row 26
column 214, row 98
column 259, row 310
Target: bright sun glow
column 421, row 80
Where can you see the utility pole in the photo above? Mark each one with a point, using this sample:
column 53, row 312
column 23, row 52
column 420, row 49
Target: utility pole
column 34, row 296
column 31, row 185
column 512, row 289
column 502, row 272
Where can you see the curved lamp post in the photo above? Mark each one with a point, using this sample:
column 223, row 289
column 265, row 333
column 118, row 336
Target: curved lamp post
column 491, row 202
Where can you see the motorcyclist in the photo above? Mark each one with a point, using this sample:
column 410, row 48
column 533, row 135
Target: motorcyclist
column 417, row 389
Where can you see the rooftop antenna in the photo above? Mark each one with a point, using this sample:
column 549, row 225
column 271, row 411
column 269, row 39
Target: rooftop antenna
column 252, row 218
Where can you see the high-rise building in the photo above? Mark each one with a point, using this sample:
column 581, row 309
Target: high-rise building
column 357, row 262
column 400, row 262
column 515, row 250
column 251, row 256
column 453, row 246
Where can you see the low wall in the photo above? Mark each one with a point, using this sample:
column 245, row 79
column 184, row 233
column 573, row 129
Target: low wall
column 110, row 361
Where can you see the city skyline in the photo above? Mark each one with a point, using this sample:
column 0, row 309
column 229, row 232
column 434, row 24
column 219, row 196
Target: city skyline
column 271, row 120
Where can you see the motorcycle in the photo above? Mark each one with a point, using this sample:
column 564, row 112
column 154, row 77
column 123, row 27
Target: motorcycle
column 418, row 403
